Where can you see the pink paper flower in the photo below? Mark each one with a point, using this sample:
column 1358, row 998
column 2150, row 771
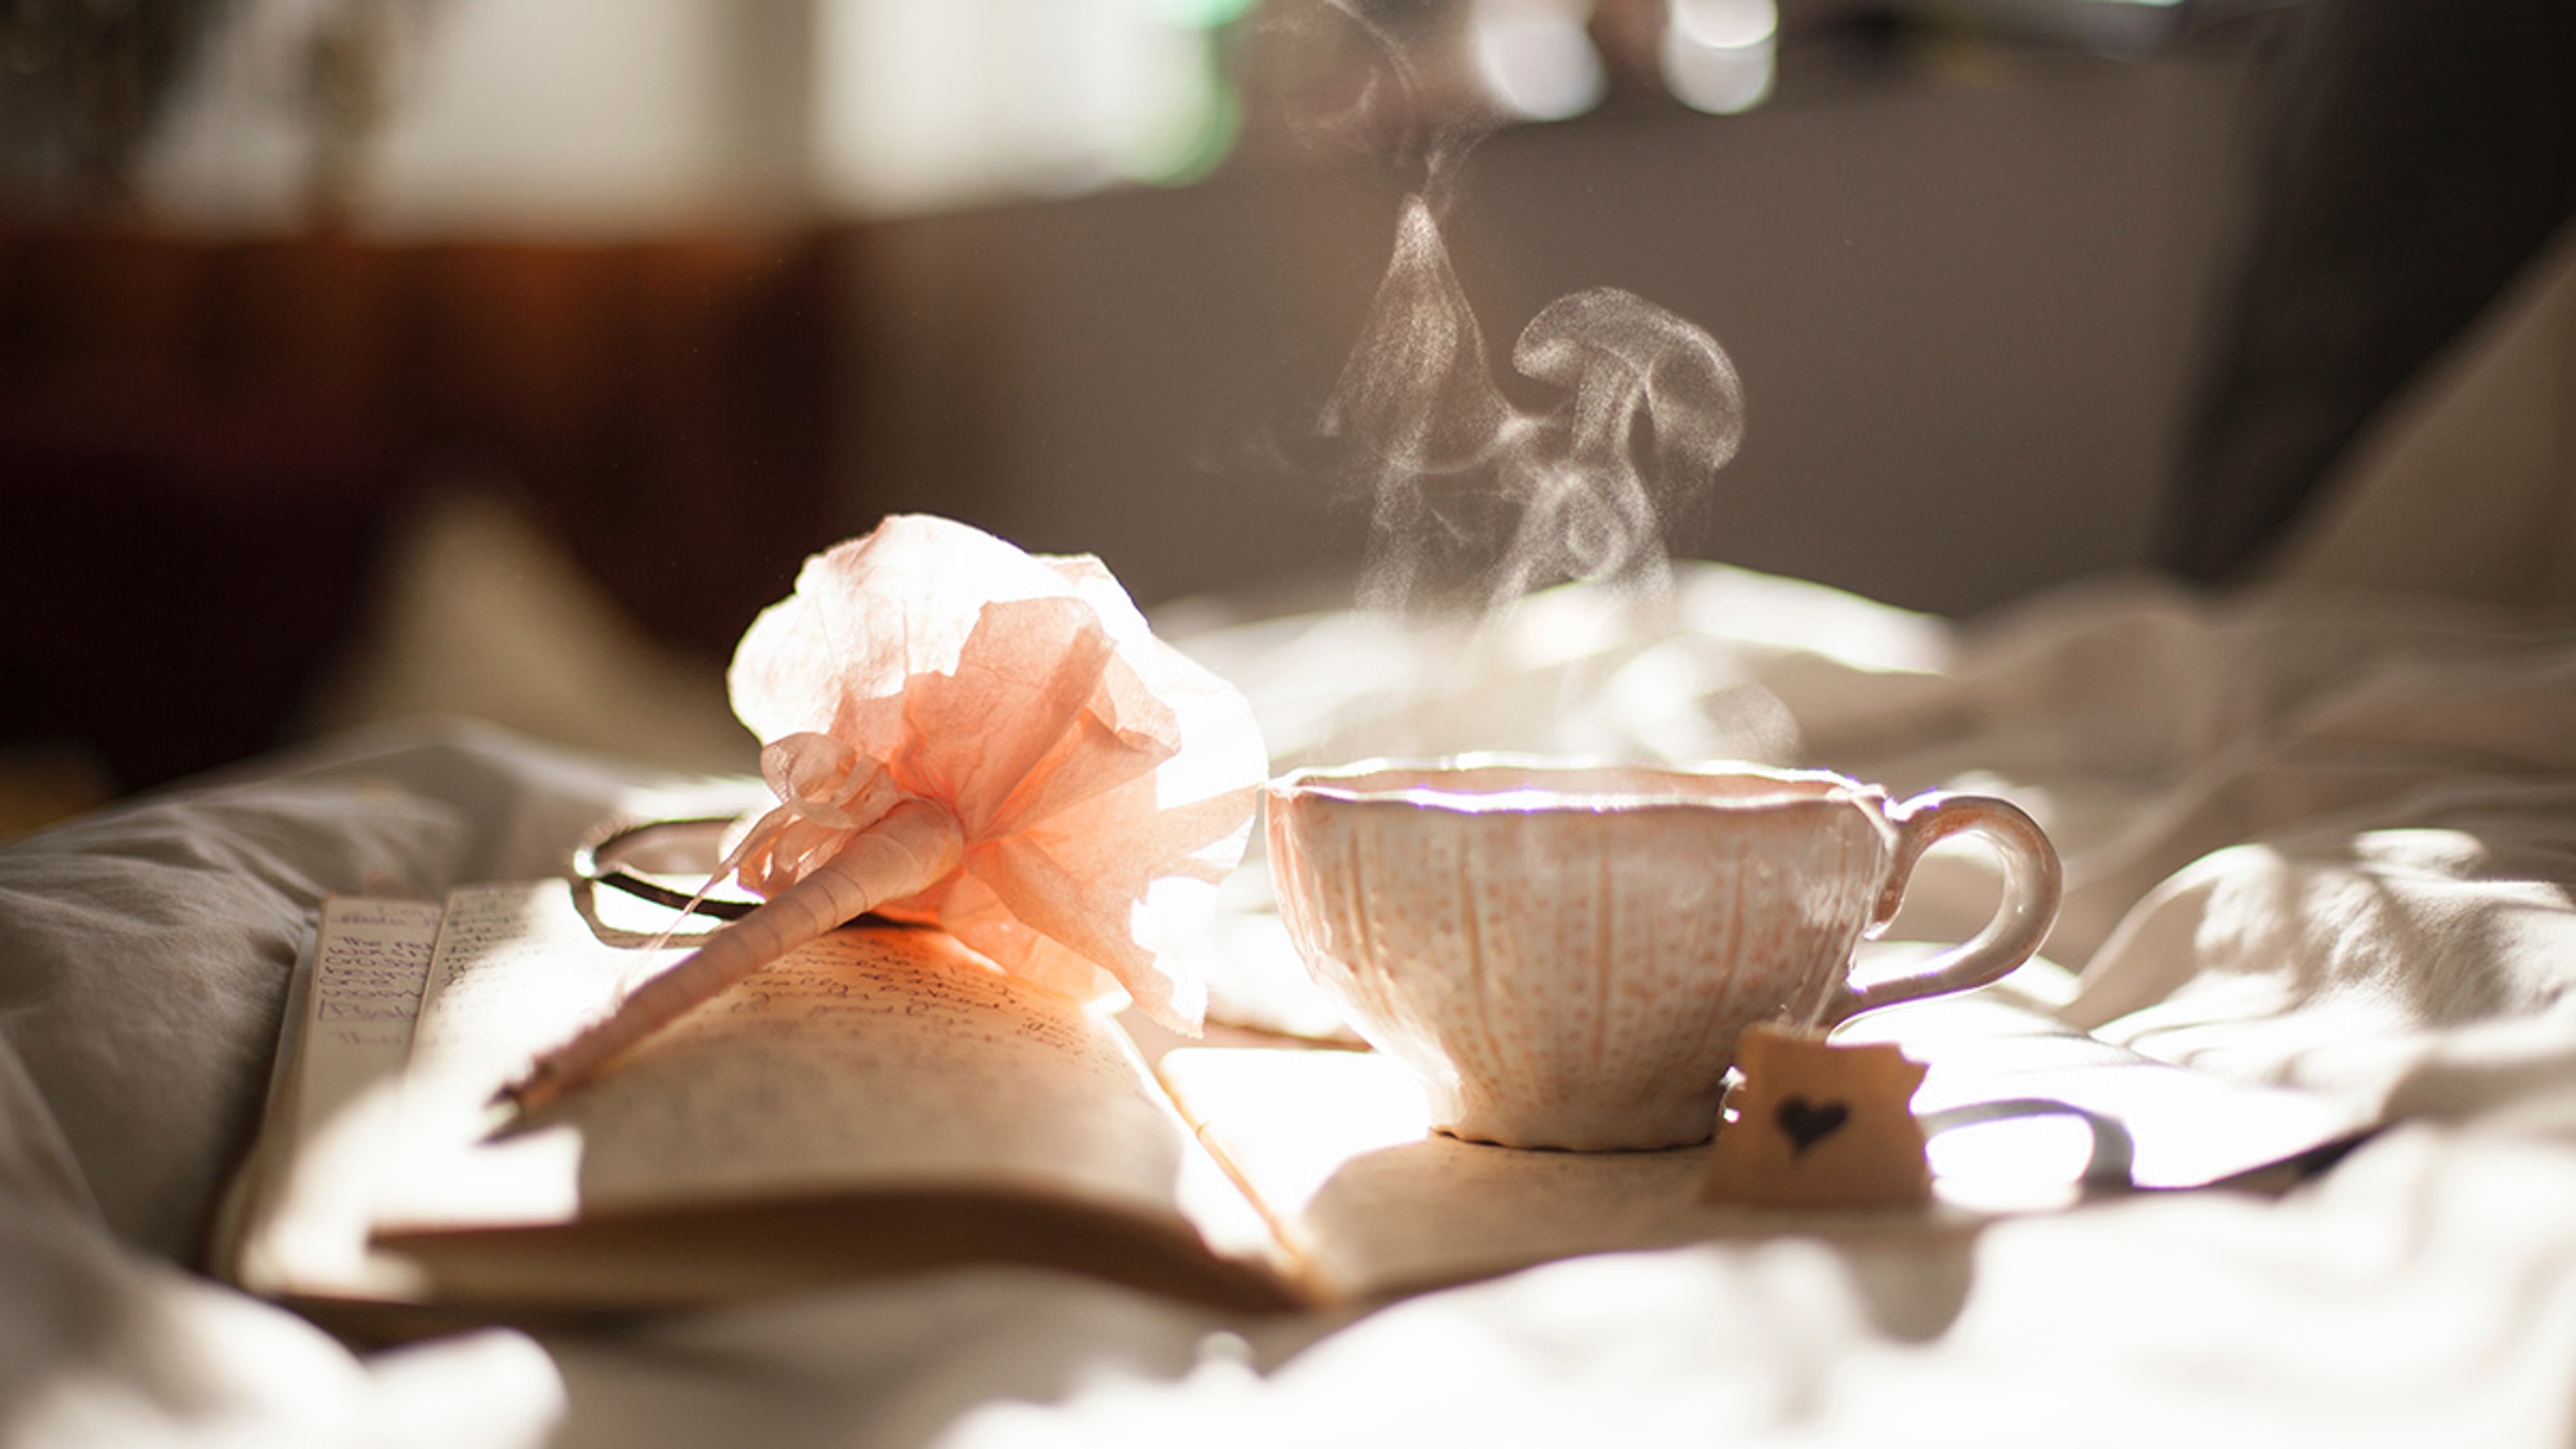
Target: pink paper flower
column 967, row 736
column 1102, row 783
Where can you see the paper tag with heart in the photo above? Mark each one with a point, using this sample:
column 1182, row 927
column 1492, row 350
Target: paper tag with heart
column 1814, row 1124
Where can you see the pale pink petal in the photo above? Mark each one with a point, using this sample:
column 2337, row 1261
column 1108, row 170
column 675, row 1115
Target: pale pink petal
column 1021, row 688
column 1104, row 781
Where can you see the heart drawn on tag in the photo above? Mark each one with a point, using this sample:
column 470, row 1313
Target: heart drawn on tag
column 1807, row 1123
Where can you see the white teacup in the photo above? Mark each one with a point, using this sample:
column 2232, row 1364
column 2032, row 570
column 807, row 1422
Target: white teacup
column 1566, row 953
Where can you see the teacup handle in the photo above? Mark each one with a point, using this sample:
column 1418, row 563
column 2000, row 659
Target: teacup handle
column 2032, row 880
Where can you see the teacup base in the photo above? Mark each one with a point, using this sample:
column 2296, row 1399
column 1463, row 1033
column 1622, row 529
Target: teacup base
column 1571, row 1127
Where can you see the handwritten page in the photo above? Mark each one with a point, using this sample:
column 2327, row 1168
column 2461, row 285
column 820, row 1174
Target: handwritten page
column 371, row 958
column 348, row 1035
column 875, row 1058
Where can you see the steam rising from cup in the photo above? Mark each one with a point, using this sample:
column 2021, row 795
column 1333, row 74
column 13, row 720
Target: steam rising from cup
column 1482, row 487
column 1475, row 500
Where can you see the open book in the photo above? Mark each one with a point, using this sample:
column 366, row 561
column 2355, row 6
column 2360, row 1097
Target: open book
column 884, row 1101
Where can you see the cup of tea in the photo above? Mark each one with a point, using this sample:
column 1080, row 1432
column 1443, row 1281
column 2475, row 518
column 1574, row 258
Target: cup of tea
column 1565, row 952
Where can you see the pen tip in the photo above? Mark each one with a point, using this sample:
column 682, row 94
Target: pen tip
column 519, row 1097
column 528, row 1093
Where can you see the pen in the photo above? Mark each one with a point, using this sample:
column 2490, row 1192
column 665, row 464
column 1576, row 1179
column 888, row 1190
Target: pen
column 903, row 853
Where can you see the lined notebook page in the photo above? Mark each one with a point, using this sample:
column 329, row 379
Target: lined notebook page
column 349, row 1034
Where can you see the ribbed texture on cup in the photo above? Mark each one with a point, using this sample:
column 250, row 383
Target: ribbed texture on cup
column 1573, row 978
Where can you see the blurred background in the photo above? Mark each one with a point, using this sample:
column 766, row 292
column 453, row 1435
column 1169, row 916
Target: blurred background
column 365, row 356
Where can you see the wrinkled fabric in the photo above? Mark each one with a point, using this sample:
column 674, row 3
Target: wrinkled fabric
column 2420, row 1292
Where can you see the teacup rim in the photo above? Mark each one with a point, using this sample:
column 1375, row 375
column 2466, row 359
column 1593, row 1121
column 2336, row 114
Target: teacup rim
column 1344, row 783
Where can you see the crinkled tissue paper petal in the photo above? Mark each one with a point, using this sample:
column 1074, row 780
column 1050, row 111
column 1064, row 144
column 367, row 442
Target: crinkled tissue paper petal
column 1105, row 783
